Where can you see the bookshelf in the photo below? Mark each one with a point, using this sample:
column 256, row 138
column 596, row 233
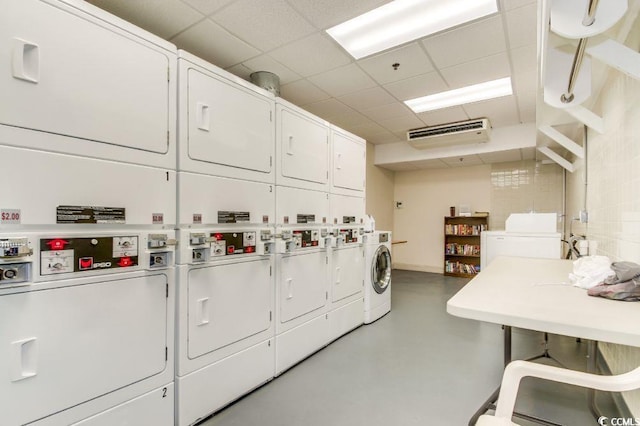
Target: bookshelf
column 462, row 244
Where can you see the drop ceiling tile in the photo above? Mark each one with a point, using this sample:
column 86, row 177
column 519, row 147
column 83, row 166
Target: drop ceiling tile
column 500, row 112
column 412, row 59
column 443, row 116
column 463, row 160
column 401, row 124
column 241, row 71
column 165, row 18
column 478, row 71
column 263, row 24
column 525, row 82
column 414, row 87
column 368, row 98
column 327, row 13
column 514, row 4
column 525, row 58
column 214, row 44
column 340, row 81
column 349, row 119
column 477, row 40
column 385, row 112
column 383, row 138
column 329, row 109
column 207, row 6
column 501, row 156
column 267, row 63
column 522, row 26
column 311, row 55
column 527, row 108
column 369, row 129
column 302, row 92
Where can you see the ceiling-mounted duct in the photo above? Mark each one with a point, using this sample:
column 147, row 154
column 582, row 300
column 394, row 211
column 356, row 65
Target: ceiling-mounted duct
column 461, row 132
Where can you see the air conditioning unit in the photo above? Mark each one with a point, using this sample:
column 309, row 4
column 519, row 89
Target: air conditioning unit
column 461, row 132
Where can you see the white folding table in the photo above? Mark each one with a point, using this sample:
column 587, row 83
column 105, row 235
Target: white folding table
column 535, row 294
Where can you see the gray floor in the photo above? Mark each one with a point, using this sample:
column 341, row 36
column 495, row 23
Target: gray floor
column 415, row 366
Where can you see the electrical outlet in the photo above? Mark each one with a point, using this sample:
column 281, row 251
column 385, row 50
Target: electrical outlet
column 584, row 216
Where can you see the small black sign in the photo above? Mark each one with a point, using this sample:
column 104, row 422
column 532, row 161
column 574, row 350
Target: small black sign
column 348, row 219
column 306, row 218
column 233, row 217
column 90, row 214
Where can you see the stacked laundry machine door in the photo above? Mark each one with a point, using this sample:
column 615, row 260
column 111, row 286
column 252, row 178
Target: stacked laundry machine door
column 302, row 211
column 226, row 209
column 87, row 218
column 347, row 203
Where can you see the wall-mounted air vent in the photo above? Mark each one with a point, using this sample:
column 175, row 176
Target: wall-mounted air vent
column 469, row 131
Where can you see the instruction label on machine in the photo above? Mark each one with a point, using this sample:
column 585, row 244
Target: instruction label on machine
column 233, row 217
column 90, row 214
column 306, row 218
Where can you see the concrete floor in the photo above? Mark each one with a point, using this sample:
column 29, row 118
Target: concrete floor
column 415, row 366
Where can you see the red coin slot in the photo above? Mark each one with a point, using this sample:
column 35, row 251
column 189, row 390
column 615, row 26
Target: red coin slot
column 249, row 249
column 218, row 237
column 125, row 261
column 231, row 249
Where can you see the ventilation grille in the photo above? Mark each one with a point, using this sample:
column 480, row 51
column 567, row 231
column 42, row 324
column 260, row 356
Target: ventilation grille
column 442, row 130
column 476, row 130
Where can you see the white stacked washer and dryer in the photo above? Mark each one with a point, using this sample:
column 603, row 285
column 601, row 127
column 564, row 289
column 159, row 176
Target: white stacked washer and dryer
column 226, row 209
column 87, row 218
column 347, row 207
column 377, row 275
column 302, row 211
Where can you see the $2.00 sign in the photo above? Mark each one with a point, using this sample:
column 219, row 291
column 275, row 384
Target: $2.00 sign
column 9, row 217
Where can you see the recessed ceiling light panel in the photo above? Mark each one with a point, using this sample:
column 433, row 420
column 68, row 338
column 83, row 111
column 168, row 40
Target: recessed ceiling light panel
column 401, row 21
column 464, row 95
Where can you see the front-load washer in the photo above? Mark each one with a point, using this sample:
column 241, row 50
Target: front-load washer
column 377, row 275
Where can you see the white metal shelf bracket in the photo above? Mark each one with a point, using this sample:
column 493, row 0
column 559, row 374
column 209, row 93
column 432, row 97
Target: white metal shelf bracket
column 587, row 117
column 557, row 158
column 562, row 140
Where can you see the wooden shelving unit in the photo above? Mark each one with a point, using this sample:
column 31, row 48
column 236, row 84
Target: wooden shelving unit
column 462, row 244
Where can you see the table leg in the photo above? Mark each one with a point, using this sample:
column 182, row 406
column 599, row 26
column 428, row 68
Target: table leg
column 592, row 366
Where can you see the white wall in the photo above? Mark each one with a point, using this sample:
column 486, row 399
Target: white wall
column 613, row 194
column 426, row 196
column 379, row 192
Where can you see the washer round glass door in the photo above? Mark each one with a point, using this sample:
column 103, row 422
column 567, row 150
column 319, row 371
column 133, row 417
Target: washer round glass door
column 381, row 270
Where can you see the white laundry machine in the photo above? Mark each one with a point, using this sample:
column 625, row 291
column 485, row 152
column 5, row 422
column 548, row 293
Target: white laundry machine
column 225, row 323
column 88, row 326
column 226, row 124
column 377, row 275
column 302, row 274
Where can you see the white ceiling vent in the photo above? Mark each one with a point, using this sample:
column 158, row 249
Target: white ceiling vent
column 461, row 132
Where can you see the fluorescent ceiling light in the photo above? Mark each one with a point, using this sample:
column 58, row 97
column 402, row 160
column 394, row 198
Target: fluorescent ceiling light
column 464, row 95
column 401, row 21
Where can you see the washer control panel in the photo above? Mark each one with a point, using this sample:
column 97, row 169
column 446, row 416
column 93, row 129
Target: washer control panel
column 210, row 245
column 67, row 255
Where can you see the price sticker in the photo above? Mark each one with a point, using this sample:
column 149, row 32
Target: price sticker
column 10, row 217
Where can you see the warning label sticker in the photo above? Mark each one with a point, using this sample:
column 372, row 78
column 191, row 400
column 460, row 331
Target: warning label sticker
column 90, row 214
